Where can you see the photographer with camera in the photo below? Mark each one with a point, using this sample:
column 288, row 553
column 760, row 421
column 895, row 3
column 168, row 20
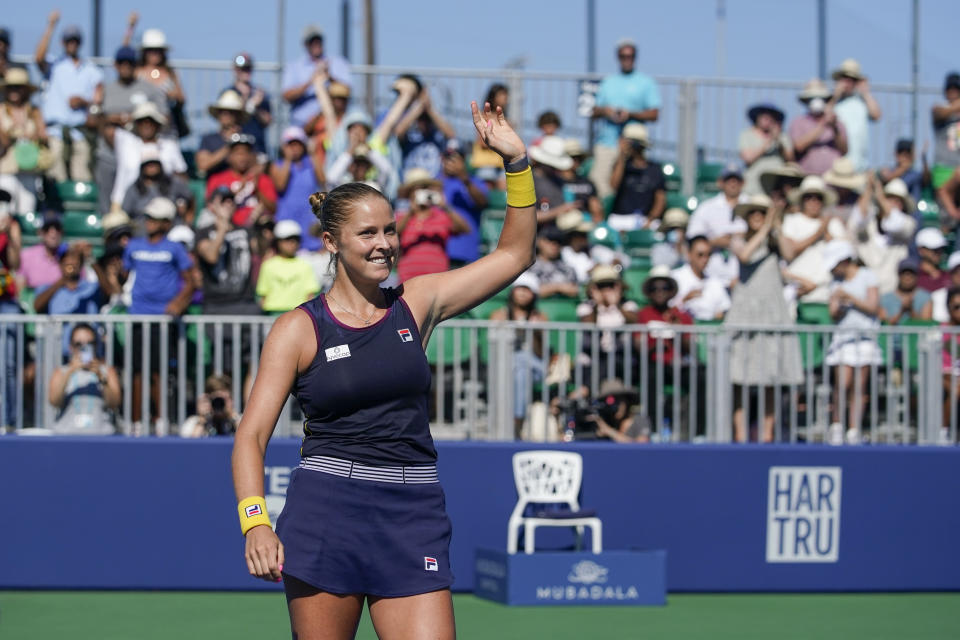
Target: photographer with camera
column 426, row 227
column 216, row 414
column 638, row 182
column 608, row 416
column 85, row 389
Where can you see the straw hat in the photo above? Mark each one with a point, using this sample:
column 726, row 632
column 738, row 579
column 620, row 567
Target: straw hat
column 229, row 100
column 573, row 222
column 638, row 133
column 19, row 77
column 614, row 387
column 898, row 188
column 814, row 89
column 551, row 152
column 604, row 273
column 115, row 221
column 417, row 178
column 674, row 218
column 849, row 68
column 154, row 39
column 843, row 175
column 753, row 203
column 338, row 90
column 814, row 184
column 660, row 272
column 573, row 148
column 789, row 173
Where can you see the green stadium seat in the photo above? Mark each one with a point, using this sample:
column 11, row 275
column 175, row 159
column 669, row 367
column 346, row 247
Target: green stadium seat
column 497, row 199
column 678, row 200
column 559, row 308
column 483, row 310
column 909, row 344
column 608, row 203
column 78, row 196
column 702, row 339
column 199, row 189
column 672, row 177
column 30, row 226
column 447, row 336
column 633, row 279
column 491, row 223
column 812, row 344
column 641, row 238
column 709, row 172
column 82, row 225
column 605, row 237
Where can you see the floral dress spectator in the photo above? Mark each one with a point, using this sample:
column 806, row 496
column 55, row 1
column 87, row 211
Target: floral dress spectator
column 818, row 137
column 295, row 176
column 425, row 228
column 759, row 358
column 763, row 146
column 24, row 152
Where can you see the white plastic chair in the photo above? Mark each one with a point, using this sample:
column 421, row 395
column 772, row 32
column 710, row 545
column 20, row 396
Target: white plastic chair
column 549, row 477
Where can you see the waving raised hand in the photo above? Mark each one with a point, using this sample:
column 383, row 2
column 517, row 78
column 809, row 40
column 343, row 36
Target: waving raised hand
column 497, row 133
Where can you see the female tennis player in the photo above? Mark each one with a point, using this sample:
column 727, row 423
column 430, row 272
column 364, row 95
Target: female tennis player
column 365, row 517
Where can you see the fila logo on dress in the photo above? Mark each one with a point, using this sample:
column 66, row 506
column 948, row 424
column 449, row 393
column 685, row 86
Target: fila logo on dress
column 405, row 335
column 430, row 564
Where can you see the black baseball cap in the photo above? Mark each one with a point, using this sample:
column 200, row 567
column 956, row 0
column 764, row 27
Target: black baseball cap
column 51, row 220
column 952, row 81
column 5, row 36
column 125, row 54
column 904, row 145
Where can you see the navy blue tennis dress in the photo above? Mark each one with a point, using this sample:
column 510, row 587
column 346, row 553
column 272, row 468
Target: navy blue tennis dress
column 365, row 512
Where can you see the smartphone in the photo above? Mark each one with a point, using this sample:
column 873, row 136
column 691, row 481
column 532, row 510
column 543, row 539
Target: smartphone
column 86, row 354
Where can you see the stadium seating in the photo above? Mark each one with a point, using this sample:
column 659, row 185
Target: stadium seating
column 673, row 179
column 78, row 196
column 82, row 225
column 559, row 308
column 497, row 199
column 633, row 279
column 491, row 223
column 812, row 344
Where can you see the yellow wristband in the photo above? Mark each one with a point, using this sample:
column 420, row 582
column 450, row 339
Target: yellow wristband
column 520, row 191
column 253, row 513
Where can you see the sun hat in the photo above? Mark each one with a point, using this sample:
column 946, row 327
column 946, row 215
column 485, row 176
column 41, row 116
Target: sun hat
column 72, row 32
column 293, row 133
column 849, row 68
column 182, row 234
column 148, row 111
column 604, row 273
column 637, row 132
column 229, row 100
column 898, row 189
column 338, row 90
column 528, row 280
column 573, row 148
column 930, row 238
column 573, row 222
column 149, row 153
column 357, row 117
column 287, row 229
column 18, row 77
column 417, row 178
column 835, row 252
column 551, row 152
column 160, row 209
column 154, row 39
column 789, row 173
column 614, row 387
column 674, row 218
column 753, row 203
column 659, row 272
column 114, row 222
column 312, row 31
column 843, row 175
column 814, row 88
column 765, row 107
column 814, row 184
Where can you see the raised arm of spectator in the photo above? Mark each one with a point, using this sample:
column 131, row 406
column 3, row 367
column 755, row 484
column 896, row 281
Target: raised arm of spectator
column 386, row 173
column 620, row 166
column 947, row 192
column 942, row 112
column 208, row 249
column 406, row 90
column 319, row 81
column 132, row 20
column 294, row 92
column 338, row 169
column 40, row 55
column 435, row 115
column 873, row 108
column 790, row 248
column 410, row 116
column 14, row 244
column 840, row 131
column 176, row 91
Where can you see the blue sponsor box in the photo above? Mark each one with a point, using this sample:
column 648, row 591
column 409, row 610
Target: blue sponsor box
column 625, row 578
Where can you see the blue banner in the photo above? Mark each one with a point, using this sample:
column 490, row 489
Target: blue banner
column 161, row 514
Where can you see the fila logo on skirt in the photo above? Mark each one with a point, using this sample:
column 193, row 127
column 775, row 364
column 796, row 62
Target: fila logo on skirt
column 430, row 564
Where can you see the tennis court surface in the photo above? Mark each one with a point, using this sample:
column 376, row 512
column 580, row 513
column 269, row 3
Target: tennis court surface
column 137, row 615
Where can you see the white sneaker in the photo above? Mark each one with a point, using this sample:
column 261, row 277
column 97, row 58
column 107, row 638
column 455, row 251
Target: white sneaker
column 835, row 436
column 853, row 436
column 944, row 438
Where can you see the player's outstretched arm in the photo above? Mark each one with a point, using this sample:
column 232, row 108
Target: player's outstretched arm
column 436, row 297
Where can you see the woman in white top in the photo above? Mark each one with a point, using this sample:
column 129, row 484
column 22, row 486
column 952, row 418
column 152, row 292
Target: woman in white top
column 854, row 306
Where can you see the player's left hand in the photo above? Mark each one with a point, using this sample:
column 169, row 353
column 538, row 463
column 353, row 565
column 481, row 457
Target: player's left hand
column 497, row 133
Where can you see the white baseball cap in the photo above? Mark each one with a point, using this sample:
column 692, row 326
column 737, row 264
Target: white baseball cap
column 931, row 238
column 161, row 209
column 528, row 280
column 835, row 252
column 287, row 229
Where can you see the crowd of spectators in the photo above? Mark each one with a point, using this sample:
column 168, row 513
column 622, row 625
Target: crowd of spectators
column 801, row 218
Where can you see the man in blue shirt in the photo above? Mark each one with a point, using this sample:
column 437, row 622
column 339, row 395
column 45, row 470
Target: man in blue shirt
column 71, row 85
column 298, row 76
column 628, row 96
column 468, row 197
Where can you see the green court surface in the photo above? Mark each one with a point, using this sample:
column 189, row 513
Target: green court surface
column 126, row 615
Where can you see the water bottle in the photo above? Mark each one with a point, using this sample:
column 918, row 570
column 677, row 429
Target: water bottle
column 665, row 431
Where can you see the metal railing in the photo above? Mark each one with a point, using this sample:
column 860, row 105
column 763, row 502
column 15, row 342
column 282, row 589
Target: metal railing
column 494, row 379
column 700, row 120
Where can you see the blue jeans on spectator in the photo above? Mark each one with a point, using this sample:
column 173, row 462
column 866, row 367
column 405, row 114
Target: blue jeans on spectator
column 527, row 369
column 9, row 355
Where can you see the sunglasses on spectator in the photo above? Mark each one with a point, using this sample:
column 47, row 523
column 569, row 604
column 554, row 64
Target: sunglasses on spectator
column 81, row 345
column 606, row 285
column 660, row 288
column 813, row 195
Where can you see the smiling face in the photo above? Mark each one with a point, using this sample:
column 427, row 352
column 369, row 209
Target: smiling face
column 366, row 243
column 812, row 204
column 755, row 219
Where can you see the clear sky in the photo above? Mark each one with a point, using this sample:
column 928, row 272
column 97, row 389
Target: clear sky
column 765, row 39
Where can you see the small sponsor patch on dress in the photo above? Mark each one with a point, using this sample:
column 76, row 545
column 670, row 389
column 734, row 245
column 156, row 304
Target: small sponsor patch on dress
column 405, row 335
column 253, row 510
column 335, row 353
column 430, row 564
